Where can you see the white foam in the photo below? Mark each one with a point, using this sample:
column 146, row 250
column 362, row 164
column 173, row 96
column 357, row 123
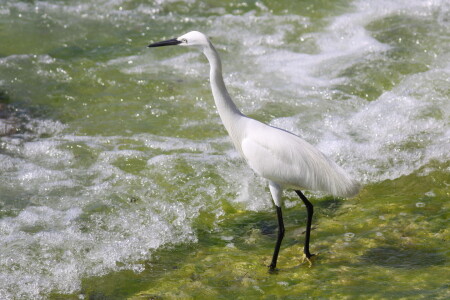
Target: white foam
column 73, row 217
column 68, row 234
column 11, row 60
column 373, row 140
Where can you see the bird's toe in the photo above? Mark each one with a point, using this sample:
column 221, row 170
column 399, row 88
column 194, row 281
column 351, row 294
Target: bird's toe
column 309, row 258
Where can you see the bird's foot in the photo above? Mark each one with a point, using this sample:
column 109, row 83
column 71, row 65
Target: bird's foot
column 309, row 258
column 272, row 269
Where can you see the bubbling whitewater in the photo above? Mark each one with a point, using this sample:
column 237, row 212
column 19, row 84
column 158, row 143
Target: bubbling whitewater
column 101, row 147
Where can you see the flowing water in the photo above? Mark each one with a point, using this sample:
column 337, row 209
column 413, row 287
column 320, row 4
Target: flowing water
column 117, row 179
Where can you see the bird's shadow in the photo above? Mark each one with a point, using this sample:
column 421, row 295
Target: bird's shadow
column 266, row 222
column 402, row 257
column 328, row 206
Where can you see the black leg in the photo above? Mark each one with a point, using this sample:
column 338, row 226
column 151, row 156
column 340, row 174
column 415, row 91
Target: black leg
column 310, row 210
column 273, row 265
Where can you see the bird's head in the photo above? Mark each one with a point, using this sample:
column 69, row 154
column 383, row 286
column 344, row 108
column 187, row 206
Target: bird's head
column 193, row 38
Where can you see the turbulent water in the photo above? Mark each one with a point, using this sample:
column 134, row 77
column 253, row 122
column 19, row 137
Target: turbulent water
column 110, row 151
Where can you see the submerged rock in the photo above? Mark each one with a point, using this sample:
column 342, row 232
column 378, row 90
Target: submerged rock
column 8, row 123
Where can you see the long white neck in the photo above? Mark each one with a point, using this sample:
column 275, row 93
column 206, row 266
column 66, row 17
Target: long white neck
column 228, row 111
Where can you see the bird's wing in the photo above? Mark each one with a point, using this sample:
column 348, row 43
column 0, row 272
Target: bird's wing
column 276, row 154
column 288, row 160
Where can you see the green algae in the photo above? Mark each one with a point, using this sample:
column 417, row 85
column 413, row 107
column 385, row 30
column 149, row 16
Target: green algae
column 389, row 242
column 383, row 244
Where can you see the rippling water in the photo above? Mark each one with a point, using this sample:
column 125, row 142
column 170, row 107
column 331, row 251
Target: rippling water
column 117, row 177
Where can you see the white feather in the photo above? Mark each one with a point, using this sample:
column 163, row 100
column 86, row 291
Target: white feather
column 291, row 162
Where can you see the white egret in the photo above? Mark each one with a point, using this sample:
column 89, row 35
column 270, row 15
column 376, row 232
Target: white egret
column 284, row 159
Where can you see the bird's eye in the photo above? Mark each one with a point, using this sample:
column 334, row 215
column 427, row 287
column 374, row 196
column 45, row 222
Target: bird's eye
column 184, row 41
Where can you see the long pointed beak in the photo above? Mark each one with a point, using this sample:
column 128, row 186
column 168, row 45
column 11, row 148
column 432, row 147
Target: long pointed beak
column 170, row 42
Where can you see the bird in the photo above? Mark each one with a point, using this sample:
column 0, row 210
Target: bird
column 284, row 159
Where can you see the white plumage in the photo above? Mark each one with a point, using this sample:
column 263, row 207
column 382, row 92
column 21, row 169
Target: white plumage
column 284, row 159
column 291, row 162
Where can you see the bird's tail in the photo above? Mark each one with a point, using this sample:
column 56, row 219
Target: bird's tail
column 339, row 183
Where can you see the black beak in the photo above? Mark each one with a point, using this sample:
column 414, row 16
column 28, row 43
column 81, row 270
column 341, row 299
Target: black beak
column 165, row 43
